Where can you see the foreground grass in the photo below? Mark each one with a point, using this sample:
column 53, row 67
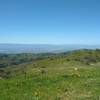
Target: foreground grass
column 53, row 80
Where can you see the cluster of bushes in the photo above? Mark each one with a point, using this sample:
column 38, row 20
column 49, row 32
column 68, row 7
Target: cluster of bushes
column 85, row 56
column 5, row 74
column 16, row 59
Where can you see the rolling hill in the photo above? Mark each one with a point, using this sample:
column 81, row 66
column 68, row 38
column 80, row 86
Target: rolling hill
column 73, row 75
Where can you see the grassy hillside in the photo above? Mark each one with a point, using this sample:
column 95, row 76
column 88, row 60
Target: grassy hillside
column 66, row 76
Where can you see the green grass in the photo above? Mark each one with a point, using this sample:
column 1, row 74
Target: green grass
column 54, row 79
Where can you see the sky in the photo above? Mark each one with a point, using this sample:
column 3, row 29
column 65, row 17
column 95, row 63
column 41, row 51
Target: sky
column 50, row 21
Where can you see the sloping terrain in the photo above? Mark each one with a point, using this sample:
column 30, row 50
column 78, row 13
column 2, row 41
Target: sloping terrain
column 66, row 76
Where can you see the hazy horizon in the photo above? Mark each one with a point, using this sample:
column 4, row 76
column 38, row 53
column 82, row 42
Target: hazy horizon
column 42, row 48
column 46, row 44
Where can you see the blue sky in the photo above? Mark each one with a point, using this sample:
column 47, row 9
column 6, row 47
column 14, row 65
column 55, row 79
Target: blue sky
column 50, row 21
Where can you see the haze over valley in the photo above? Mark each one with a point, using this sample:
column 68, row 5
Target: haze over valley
column 42, row 48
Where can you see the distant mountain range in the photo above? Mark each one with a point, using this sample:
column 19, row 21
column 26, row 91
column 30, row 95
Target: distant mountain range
column 42, row 48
